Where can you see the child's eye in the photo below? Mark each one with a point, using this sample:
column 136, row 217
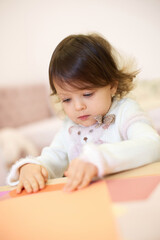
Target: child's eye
column 87, row 94
column 66, row 100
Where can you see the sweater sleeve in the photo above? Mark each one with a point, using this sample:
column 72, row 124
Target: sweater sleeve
column 139, row 146
column 54, row 158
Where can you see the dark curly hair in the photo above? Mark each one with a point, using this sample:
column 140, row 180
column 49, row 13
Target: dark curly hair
column 88, row 61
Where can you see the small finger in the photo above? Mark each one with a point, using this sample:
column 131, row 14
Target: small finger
column 19, row 187
column 34, row 184
column 44, row 173
column 27, row 187
column 86, row 181
column 73, row 182
column 40, row 180
column 88, row 176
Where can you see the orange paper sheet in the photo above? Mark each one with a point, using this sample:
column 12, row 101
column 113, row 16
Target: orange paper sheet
column 84, row 214
column 48, row 188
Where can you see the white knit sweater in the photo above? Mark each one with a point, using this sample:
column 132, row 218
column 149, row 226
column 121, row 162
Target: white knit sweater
column 127, row 143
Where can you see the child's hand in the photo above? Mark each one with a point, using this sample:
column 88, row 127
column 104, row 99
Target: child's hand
column 32, row 178
column 79, row 174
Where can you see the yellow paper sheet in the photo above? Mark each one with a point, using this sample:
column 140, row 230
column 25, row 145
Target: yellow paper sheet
column 84, row 214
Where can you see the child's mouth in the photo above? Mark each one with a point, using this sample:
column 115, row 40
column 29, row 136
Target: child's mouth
column 84, row 117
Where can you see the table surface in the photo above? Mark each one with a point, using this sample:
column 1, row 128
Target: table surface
column 150, row 169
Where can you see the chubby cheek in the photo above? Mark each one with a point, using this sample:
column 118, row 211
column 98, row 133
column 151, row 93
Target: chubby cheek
column 106, row 106
column 69, row 112
column 66, row 109
column 101, row 110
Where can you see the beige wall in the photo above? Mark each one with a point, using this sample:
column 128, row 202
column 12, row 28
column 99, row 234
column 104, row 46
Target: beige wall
column 30, row 30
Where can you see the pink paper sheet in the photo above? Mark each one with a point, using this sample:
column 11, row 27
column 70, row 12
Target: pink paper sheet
column 132, row 189
column 3, row 193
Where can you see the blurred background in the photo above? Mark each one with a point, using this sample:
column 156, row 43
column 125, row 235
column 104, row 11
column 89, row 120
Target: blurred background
column 29, row 32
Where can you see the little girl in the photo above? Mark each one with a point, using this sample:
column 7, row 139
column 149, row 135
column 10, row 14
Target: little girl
column 103, row 132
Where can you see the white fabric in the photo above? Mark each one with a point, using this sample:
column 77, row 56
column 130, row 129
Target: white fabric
column 128, row 143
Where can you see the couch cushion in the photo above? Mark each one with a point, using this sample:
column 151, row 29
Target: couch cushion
column 20, row 105
column 147, row 94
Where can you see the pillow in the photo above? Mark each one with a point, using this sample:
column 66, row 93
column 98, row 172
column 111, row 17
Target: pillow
column 20, row 105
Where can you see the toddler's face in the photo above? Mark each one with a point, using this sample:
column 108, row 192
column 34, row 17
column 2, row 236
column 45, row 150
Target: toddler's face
column 81, row 106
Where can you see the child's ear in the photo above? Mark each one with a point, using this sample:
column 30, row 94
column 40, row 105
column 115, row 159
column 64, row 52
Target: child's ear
column 114, row 88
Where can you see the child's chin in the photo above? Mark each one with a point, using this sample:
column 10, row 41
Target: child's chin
column 87, row 123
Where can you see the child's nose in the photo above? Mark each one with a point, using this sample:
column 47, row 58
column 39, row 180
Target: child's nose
column 79, row 105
